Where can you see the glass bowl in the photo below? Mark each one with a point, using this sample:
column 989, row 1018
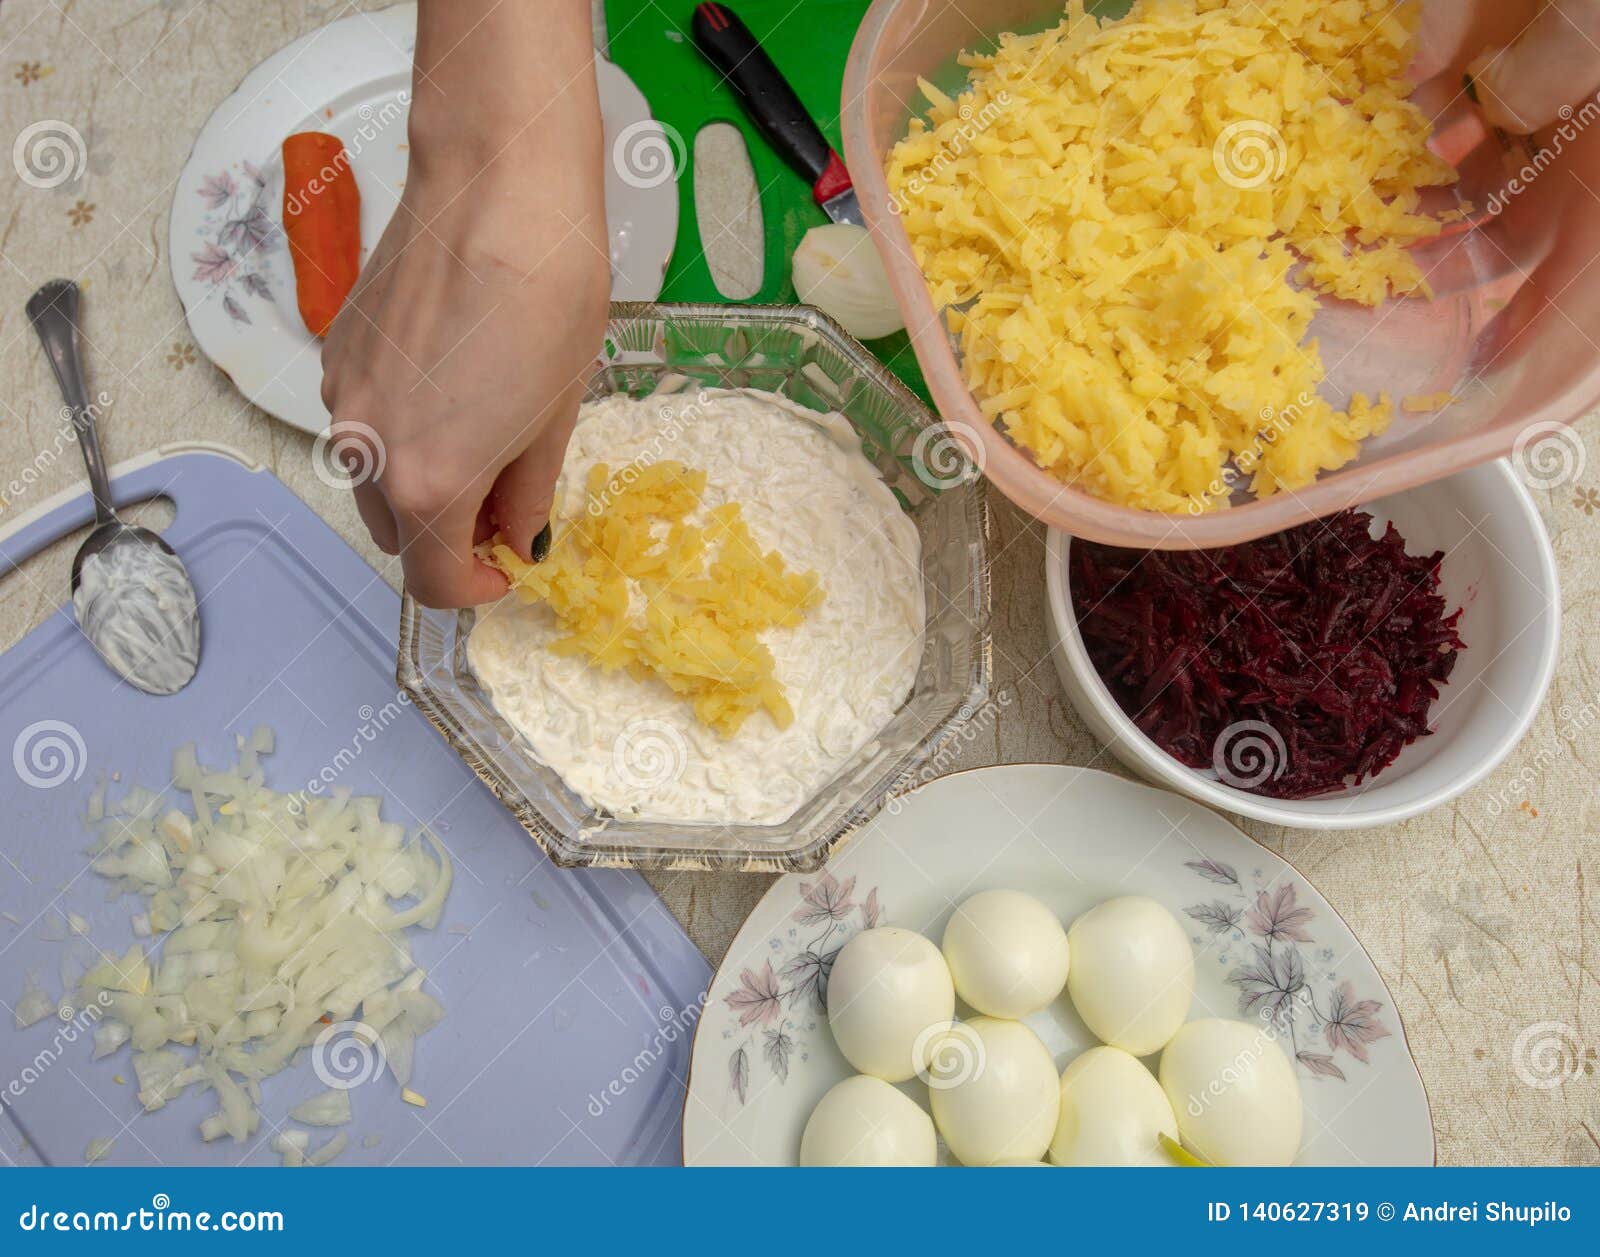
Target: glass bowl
column 803, row 355
column 1511, row 330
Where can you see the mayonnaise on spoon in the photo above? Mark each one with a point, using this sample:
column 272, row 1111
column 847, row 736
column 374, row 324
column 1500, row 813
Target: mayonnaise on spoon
column 132, row 595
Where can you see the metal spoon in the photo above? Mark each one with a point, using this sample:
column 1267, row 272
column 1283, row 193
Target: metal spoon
column 132, row 595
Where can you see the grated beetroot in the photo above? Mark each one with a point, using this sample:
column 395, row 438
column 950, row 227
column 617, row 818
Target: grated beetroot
column 1318, row 651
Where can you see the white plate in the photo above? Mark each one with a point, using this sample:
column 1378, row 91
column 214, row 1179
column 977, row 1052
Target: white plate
column 763, row 1055
column 351, row 78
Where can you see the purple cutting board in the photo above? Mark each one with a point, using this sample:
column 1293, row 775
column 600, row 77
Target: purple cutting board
column 570, row 1001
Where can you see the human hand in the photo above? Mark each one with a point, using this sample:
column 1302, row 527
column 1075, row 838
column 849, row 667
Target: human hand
column 462, row 350
column 1529, row 59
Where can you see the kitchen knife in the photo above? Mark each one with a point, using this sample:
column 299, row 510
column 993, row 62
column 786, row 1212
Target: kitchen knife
column 726, row 42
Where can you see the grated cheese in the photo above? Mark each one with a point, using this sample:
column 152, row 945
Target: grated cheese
column 636, row 586
column 1120, row 222
column 1427, row 403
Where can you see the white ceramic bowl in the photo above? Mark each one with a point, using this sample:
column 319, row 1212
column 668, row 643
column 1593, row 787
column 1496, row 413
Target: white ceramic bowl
column 1498, row 565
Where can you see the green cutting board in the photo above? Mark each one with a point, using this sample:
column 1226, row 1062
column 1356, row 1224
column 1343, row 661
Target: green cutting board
column 809, row 43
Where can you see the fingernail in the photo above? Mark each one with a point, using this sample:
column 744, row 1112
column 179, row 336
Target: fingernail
column 1487, row 74
column 1479, row 64
column 541, row 544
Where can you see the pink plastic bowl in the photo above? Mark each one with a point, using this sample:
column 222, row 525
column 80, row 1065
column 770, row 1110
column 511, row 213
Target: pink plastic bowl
column 1513, row 333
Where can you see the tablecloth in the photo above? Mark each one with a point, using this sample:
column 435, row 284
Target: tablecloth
column 1481, row 917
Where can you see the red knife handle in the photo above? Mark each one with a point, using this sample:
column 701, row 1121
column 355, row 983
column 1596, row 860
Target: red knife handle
column 768, row 100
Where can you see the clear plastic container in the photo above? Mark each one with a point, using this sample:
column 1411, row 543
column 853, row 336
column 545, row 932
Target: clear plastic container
column 1515, row 332
column 800, row 353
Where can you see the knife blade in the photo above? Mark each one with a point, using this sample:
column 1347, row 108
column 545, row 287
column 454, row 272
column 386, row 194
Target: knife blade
column 769, row 102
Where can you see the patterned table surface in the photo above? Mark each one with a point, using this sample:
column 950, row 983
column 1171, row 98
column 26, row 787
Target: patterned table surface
column 1482, row 919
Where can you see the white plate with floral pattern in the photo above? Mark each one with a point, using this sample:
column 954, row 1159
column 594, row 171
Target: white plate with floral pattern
column 353, row 78
column 1266, row 945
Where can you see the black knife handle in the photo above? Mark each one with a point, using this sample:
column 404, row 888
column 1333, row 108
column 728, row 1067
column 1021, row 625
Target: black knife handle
column 728, row 45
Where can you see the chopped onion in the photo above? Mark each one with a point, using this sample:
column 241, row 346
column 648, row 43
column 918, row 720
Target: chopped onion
column 333, row 1148
column 98, row 1150
column 399, row 1049
column 291, row 1145
column 108, row 1037
column 838, row 270
column 70, row 970
column 282, row 915
column 33, row 1005
column 155, row 1072
column 330, row 1108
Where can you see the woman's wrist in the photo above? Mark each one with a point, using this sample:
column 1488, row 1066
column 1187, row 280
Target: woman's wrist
column 518, row 202
column 506, row 137
column 503, row 87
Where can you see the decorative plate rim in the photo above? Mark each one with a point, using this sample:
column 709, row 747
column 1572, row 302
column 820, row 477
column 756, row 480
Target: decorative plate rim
column 229, row 357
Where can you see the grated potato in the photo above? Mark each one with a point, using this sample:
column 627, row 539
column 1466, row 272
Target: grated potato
column 1113, row 217
column 635, row 585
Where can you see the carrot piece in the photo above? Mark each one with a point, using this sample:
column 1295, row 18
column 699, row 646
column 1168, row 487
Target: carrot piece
column 322, row 220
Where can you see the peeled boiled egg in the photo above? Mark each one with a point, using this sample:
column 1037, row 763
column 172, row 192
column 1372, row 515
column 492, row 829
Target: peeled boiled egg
column 1234, row 1092
column 1132, row 976
column 864, row 1121
column 1113, row 1112
column 993, row 1089
column 1007, row 953
column 889, row 997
